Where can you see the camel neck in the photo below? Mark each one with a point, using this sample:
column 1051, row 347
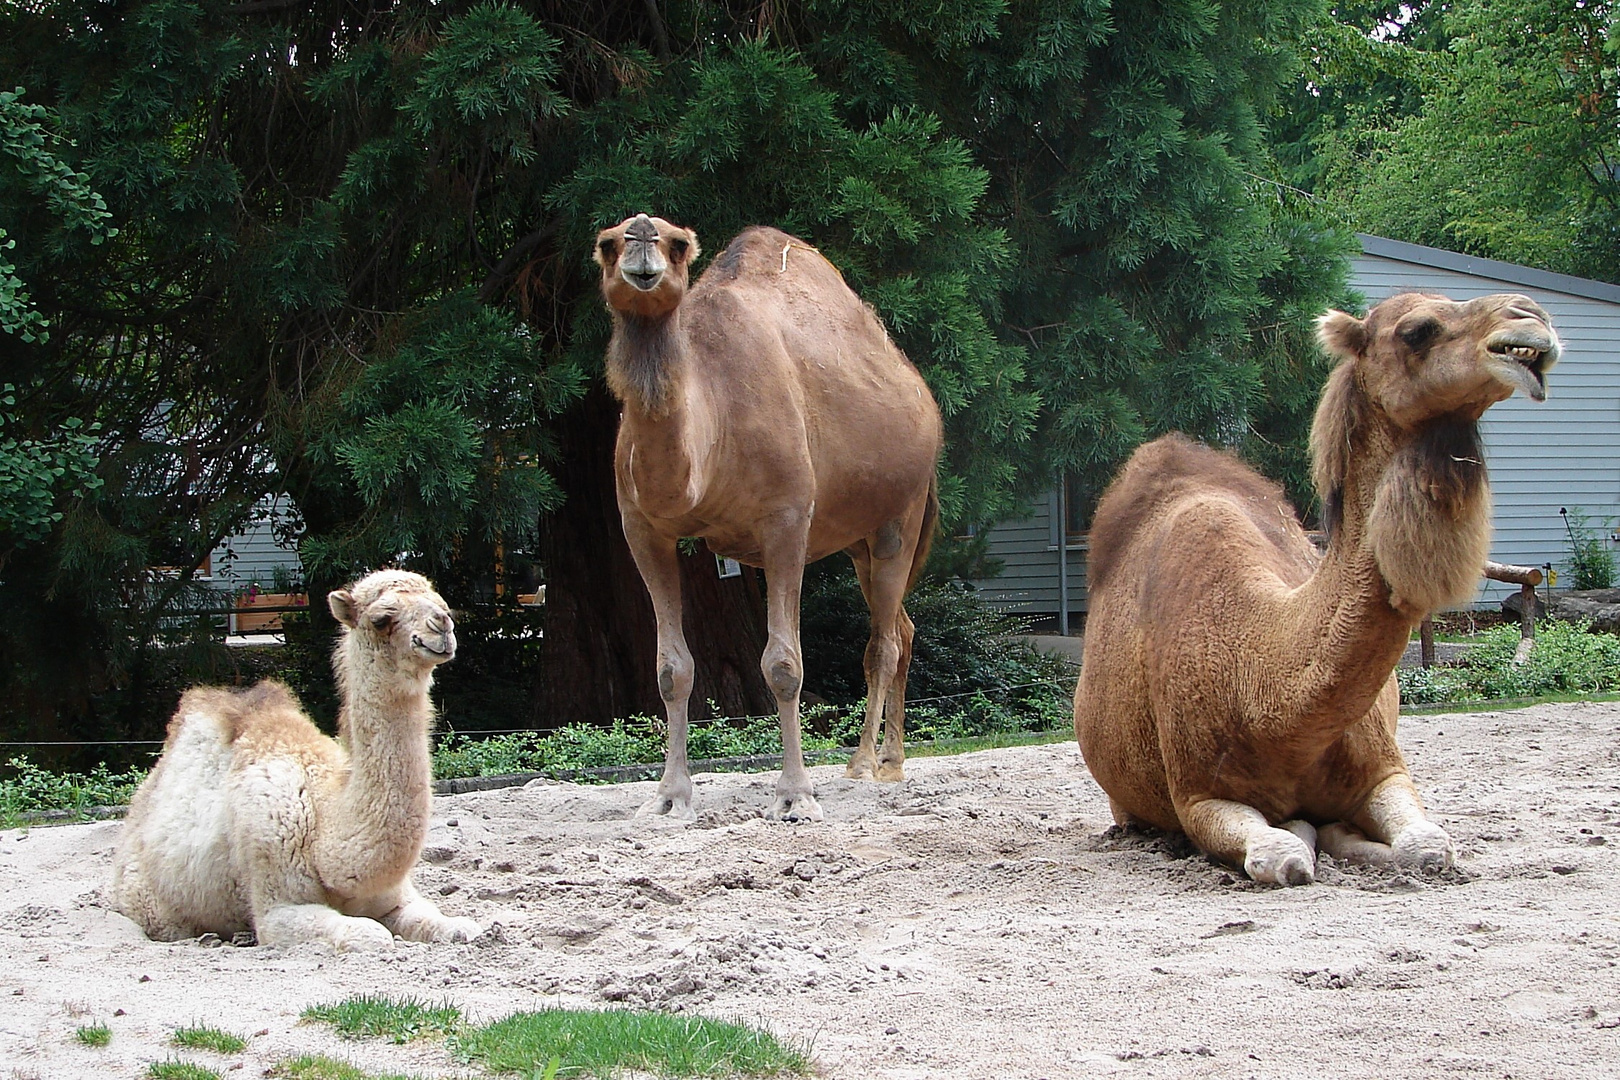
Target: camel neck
column 645, row 359
column 384, row 724
column 1411, row 534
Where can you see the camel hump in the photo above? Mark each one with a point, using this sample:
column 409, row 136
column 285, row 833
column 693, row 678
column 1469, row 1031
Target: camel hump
column 1164, row 471
column 237, row 710
column 761, row 251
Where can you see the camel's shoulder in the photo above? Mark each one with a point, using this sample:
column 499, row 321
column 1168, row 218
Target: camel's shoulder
column 1175, row 479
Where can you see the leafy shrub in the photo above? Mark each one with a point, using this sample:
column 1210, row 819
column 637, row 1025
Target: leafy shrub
column 1567, row 659
column 30, row 789
column 1590, row 563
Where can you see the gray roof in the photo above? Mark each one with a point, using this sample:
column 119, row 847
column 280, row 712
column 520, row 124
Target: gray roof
column 1512, row 273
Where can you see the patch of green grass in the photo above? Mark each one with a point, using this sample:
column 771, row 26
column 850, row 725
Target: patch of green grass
column 94, row 1035
column 601, row 1042
column 207, row 1038
column 379, row 1017
column 180, row 1070
column 317, row 1067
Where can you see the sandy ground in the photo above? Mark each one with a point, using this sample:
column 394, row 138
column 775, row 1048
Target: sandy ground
column 978, row 920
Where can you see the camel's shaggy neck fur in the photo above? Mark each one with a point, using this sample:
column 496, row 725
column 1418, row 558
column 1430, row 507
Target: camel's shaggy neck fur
column 644, row 361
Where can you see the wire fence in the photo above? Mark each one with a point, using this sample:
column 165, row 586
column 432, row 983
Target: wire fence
column 710, row 721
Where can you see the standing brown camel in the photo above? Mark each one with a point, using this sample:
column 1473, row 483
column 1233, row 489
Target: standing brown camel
column 766, row 411
column 1241, row 688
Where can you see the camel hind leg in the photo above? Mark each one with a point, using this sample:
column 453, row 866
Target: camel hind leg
column 884, row 567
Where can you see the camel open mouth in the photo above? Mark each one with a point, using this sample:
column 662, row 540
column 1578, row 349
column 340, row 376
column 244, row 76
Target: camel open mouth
column 645, row 281
column 1525, row 366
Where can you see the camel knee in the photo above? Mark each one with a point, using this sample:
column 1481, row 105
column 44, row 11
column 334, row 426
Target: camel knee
column 784, row 673
column 882, row 657
column 674, row 677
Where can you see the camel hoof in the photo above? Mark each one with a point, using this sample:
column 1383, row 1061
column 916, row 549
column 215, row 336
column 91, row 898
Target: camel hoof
column 458, row 930
column 1280, row 858
column 860, row 769
column 1424, row 847
column 673, row 807
column 795, row 808
column 891, row 772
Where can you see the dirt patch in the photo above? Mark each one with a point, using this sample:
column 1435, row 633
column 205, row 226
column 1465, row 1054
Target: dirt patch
column 981, row 919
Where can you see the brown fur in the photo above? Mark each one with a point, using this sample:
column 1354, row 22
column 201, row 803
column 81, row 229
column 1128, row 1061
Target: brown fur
column 766, row 411
column 1233, row 680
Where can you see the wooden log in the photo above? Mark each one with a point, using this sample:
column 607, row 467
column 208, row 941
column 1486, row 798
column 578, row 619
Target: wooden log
column 1426, row 642
column 1519, row 575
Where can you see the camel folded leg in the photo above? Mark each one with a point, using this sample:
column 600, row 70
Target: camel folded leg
column 1240, row 835
column 416, row 918
column 291, row 924
column 1394, row 815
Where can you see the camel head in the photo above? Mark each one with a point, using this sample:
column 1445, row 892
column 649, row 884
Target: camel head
column 398, row 614
column 644, row 263
column 1415, row 376
column 1419, row 357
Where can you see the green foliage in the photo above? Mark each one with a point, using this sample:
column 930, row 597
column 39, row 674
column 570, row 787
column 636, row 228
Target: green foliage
column 198, row 1037
column 37, row 474
column 1567, row 659
column 179, row 1070
column 1591, row 563
column 1480, row 126
column 400, row 1021
column 29, row 789
column 97, row 1035
column 603, row 1043
column 350, row 265
column 319, row 1067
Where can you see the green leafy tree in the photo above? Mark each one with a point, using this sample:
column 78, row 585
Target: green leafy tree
column 1512, row 147
column 352, row 265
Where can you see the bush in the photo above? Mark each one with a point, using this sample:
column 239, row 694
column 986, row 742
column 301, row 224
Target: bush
column 1590, row 564
column 1567, row 659
column 31, row 790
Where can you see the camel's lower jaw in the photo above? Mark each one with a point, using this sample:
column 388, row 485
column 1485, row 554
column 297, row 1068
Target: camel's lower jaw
column 1523, row 373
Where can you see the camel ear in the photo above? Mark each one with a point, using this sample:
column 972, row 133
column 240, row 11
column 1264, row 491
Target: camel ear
column 1341, row 335
column 1337, row 415
column 606, row 248
column 341, row 601
column 684, row 247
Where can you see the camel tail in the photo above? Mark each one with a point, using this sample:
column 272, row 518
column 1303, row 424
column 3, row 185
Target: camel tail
column 925, row 538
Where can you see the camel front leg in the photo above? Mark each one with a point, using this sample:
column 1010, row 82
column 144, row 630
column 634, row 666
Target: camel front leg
column 416, row 918
column 659, row 562
column 783, row 543
column 1394, row 816
column 1240, row 835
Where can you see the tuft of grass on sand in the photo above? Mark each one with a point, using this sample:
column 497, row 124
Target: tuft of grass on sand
column 94, row 1035
column 180, row 1070
column 198, row 1037
column 318, row 1067
column 601, row 1042
column 379, row 1017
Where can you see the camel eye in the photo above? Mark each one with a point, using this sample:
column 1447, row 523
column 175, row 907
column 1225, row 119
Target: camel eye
column 1419, row 333
column 607, row 247
column 383, row 621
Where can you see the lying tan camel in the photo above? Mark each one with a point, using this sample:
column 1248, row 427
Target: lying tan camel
column 766, row 411
column 1239, row 688
column 254, row 820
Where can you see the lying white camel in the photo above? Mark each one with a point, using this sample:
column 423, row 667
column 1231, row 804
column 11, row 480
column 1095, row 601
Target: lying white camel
column 253, row 819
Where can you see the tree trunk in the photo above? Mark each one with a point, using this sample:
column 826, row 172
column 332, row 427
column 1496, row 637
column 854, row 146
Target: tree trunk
column 600, row 641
